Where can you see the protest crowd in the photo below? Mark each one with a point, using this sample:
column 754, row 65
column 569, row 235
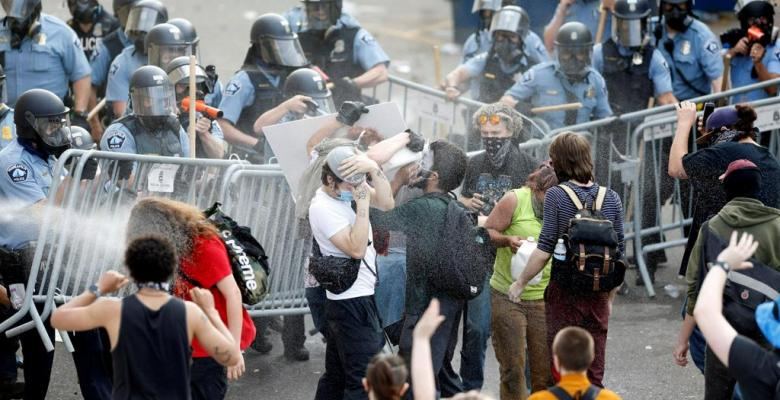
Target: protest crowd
column 519, row 229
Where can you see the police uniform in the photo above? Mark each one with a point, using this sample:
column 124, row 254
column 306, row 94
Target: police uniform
column 491, row 77
column 216, row 132
column 7, row 126
column 214, row 98
column 588, row 13
column 545, row 85
column 127, row 135
column 50, row 59
column 742, row 74
column 631, row 81
column 480, row 42
column 695, row 60
column 107, row 49
column 122, row 68
column 104, row 25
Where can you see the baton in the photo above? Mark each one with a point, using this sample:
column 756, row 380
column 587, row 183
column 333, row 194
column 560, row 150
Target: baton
column 94, row 112
column 602, row 23
column 559, row 107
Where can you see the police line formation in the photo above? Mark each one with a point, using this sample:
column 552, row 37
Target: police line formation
column 121, row 84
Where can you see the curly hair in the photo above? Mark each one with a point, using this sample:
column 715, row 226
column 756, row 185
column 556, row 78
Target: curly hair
column 509, row 116
column 150, row 258
column 180, row 222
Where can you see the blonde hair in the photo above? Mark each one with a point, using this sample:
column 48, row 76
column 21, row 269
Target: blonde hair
column 509, row 116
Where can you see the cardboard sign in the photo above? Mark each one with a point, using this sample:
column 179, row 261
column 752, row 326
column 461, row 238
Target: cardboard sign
column 161, row 177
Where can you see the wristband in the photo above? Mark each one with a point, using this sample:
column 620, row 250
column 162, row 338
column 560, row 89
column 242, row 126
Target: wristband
column 719, row 264
column 93, row 288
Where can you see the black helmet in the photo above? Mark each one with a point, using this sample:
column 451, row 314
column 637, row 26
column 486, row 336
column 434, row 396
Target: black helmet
column 322, row 14
column 151, row 93
column 275, row 43
column 41, row 117
column 20, row 9
column 179, row 74
column 574, row 45
column 142, row 17
column 122, row 9
column 85, row 11
column 308, row 82
column 677, row 18
column 757, row 14
column 511, row 19
column 629, row 22
column 189, row 32
column 163, row 43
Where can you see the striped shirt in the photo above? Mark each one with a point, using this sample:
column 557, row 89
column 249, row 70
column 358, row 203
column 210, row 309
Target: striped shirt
column 558, row 210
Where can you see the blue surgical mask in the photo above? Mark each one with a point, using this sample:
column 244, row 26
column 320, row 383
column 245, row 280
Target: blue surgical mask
column 345, row 196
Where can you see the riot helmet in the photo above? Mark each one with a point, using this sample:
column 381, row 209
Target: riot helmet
column 81, row 139
column 122, row 10
column 20, row 9
column 677, row 14
column 84, row 11
column 308, row 82
column 629, row 22
column 275, row 43
column 756, row 14
column 143, row 16
column 512, row 19
column 151, row 93
column 41, row 117
column 189, row 33
column 574, row 48
column 163, row 43
column 179, row 75
column 3, row 92
column 322, row 14
column 486, row 10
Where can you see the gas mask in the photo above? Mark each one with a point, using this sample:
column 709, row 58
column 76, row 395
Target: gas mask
column 507, row 50
column 677, row 18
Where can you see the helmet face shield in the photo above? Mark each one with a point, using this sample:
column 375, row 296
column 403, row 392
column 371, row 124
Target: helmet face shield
column 574, row 61
column 140, row 20
column 628, row 32
column 324, row 106
column 54, row 130
column 480, row 5
column 19, row 9
column 510, row 19
column 161, row 55
column 284, row 52
column 321, row 15
column 154, row 101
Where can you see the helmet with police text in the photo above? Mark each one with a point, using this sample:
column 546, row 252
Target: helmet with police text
column 677, row 14
column 143, row 16
column 275, row 43
column 629, row 22
column 151, row 93
column 308, row 82
column 179, row 74
column 188, row 31
column 574, row 48
column 85, row 11
column 322, row 14
column 756, row 14
column 122, row 10
column 81, row 139
column 41, row 117
column 163, row 43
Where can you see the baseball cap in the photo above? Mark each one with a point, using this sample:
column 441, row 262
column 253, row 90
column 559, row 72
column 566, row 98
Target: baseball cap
column 736, row 166
column 724, row 116
column 768, row 320
column 336, row 156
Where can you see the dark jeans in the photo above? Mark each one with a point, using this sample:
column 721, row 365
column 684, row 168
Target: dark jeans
column 476, row 332
column 293, row 335
column 93, row 363
column 316, row 298
column 443, row 344
column 208, row 379
column 354, row 337
column 696, row 343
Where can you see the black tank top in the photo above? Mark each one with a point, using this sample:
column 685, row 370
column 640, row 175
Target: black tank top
column 152, row 355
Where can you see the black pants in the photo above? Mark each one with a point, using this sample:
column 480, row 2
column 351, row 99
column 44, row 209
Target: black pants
column 718, row 383
column 354, row 337
column 293, row 331
column 208, row 379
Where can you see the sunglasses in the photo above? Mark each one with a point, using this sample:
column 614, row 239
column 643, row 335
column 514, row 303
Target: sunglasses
column 493, row 119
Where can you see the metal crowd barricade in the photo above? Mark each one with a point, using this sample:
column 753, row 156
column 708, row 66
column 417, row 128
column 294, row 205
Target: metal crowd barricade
column 83, row 236
column 272, row 221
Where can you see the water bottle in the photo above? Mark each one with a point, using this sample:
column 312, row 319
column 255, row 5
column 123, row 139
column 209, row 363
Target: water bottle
column 17, row 295
column 560, row 251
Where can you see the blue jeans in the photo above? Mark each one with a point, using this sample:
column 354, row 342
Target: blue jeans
column 390, row 293
column 475, row 336
column 316, row 298
column 696, row 344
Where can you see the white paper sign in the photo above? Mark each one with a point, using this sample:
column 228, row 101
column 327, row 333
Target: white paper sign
column 659, row 131
column 161, row 177
column 768, row 118
column 436, row 109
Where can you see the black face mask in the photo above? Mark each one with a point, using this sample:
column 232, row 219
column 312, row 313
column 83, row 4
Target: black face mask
column 507, row 50
column 677, row 19
column 497, row 150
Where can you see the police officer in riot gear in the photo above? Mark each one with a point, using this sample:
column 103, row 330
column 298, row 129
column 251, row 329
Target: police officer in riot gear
column 143, row 16
column 479, row 41
column 494, row 72
column 568, row 79
column 335, row 42
column 257, row 86
column 690, row 49
column 90, row 22
column 108, row 48
column 191, row 37
column 209, row 140
column 153, row 126
column 163, row 43
column 308, row 82
column 7, row 126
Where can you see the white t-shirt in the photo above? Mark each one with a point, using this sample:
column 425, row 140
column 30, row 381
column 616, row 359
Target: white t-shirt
column 328, row 216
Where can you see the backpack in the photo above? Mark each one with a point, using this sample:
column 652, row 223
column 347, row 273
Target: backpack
column 593, row 262
column 465, row 254
column 591, row 394
column 745, row 289
column 247, row 257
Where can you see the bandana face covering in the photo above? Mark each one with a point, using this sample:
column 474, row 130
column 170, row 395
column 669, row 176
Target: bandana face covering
column 497, row 149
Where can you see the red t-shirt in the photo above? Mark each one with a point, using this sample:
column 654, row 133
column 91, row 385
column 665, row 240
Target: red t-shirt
column 208, row 265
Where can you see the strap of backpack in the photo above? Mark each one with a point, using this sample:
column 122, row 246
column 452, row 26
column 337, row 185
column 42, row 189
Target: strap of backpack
column 754, row 284
column 572, row 196
column 602, row 194
column 592, row 393
column 189, row 279
column 559, row 393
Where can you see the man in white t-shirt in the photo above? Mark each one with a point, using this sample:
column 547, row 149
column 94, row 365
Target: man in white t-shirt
column 354, row 331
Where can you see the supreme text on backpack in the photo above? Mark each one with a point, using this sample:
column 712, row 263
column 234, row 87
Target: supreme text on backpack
column 593, row 262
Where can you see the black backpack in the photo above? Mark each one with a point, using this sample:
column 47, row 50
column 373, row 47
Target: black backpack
column 593, row 261
column 465, row 254
column 590, row 394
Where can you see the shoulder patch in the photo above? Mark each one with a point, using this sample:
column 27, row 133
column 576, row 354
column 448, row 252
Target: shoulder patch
column 233, row 87
column 114, row 68
column 367, row 38
column 116, row 140
column 712, row 46
column 777, row 54
column 528, row 76
column 18, row 172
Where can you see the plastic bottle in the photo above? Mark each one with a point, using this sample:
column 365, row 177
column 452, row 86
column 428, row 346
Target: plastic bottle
column 560, row 251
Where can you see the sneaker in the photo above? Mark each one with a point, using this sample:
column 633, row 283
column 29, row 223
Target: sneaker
column 11, row 390
column 299, row 354
column 262, row 345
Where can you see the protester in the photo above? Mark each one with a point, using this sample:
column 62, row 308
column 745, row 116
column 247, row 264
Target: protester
column 757, row 369
column 520, row 326
column 570, row 154
column 152, row 359
column 386, row 378
column 573, row 353
column 203, row 262
column 744, row 212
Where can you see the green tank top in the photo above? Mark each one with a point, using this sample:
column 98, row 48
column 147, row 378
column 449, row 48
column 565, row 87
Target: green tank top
column 524, row 224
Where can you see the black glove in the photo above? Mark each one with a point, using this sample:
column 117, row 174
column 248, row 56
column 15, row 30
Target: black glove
column 347, row 88
column 350, row 112
column 80, row 119
column 416, row 141
column 90, row 169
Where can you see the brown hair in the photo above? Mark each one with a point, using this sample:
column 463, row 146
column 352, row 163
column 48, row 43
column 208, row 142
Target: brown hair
column 177, row 221
column 747, row 116
column 570, row 155
column 574, row 348
column 386, row 376
column 541, row 179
